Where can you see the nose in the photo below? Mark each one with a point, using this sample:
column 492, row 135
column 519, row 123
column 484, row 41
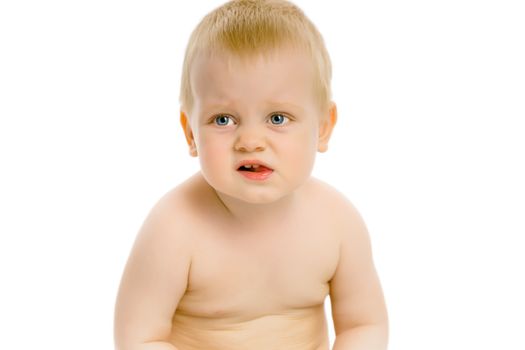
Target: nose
column 250, row 140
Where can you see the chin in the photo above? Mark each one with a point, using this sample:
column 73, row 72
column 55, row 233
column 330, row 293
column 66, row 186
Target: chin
column 254, row 195
column 263, row 198
column 237, row 189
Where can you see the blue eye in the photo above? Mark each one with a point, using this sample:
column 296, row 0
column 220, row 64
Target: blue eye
column 278, row 118
column 223, row 120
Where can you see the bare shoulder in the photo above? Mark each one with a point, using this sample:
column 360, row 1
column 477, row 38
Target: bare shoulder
column 342, row 218
column 334, row 204
column 156, row 273
column 355, row 291
column 167, row 227
column 170, row 223
column 186, row 199
column 171, row 211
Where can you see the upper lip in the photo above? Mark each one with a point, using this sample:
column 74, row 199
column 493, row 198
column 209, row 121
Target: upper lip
column 252, row 161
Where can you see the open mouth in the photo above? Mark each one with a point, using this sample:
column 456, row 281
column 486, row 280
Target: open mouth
column 254, row 168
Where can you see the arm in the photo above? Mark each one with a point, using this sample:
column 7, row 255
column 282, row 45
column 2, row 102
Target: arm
column 363, row 337
column 153, row 282
column 358, row 306
column 158, row 345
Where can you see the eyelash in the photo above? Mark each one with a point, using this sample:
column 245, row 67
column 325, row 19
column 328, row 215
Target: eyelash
column 229, row 117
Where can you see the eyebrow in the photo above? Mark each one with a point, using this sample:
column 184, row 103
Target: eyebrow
column 269, row 103
column 286, row 104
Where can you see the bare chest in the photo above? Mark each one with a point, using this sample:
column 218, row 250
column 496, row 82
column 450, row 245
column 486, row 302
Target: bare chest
column 249, row 275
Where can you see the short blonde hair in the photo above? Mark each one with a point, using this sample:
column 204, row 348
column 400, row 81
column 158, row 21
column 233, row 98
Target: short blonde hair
column 246, row 28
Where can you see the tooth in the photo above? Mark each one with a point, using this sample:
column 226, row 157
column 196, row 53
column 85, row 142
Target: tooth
column 255, row 166
column 248, row 166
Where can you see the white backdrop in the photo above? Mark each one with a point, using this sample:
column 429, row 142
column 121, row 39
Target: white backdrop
column 429, row 147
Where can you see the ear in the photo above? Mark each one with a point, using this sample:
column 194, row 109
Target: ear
column 186, row 127
column 326, row 126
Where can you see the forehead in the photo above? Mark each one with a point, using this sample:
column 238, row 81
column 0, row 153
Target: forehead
column 284, row 75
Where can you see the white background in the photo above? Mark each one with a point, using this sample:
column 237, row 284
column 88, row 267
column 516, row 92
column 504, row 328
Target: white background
column 429, row 147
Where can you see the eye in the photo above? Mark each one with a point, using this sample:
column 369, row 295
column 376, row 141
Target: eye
column 221, row 120
column 278, row 118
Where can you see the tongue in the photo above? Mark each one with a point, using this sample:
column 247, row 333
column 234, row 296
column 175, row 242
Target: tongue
column 261, row 169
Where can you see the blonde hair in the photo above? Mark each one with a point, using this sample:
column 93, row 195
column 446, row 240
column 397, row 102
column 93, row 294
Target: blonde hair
column 246, row 28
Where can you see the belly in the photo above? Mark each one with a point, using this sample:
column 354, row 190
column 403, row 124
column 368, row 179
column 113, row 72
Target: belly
column 296, row 329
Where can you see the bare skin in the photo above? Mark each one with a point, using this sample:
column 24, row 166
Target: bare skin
column 223, row 262
column 244, row 289
column 253, row 289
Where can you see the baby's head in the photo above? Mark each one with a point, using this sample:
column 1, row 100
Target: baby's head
column 248, row 28
column 256, row 86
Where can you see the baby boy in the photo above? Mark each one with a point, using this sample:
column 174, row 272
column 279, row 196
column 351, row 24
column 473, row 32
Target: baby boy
column 243, row 254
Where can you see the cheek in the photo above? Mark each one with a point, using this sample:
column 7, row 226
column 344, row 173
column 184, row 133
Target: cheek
column 301, row 149
column 212, row 152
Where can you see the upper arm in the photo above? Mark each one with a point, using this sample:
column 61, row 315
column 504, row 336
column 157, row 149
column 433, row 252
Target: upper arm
column 355, row 291
column 154, row 279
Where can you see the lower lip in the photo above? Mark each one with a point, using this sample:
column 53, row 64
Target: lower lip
column 258, row 176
